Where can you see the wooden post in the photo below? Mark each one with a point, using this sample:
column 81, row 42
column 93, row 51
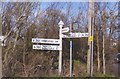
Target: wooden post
column 90, row 39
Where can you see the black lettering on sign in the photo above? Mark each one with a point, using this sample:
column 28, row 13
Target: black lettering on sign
column 37, row 40
column 82, row 35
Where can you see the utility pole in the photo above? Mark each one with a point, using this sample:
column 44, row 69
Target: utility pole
column 90, row 39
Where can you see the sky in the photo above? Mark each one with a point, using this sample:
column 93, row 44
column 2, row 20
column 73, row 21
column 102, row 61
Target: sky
column 59, row 0
column 76, row 5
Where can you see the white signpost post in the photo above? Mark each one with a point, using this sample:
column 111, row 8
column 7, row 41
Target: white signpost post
column 60, row 51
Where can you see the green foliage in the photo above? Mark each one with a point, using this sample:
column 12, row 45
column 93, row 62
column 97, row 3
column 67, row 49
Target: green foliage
column 102, row 75
column 55, row 76
column 77, row 62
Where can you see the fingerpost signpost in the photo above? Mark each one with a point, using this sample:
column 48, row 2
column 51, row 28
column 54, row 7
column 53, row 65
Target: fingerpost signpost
column 58, row 44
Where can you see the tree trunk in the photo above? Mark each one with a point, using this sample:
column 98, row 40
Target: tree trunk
column 24, row 63
column 98, row 53
column 104, row 70
column 0, row 49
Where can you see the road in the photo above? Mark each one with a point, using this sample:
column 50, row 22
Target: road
column 115, row 67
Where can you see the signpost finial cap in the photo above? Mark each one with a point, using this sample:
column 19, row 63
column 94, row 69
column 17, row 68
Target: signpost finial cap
column 61, row 23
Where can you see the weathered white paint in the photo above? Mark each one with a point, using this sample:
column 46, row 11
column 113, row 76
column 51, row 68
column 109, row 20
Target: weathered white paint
column 75, row 35
column 60, row 51
column 48, row 41
column 47, row 47
column 66, row 29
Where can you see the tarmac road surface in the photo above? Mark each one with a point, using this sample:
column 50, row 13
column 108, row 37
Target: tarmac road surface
column 116, row 69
